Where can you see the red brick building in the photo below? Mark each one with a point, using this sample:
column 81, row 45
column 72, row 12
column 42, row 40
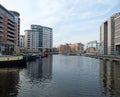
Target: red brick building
column 70, row 47
column 9, row 30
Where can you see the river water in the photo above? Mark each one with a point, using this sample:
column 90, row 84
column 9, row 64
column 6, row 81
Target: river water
column 62, row 76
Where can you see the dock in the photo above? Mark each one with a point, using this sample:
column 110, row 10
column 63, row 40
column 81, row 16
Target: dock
column 104, row 57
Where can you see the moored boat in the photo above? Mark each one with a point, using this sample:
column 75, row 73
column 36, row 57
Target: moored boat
column 10, row 61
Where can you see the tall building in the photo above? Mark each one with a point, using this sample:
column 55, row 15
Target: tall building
column 17, row 21
column 117, row 32
column 39, row 38
column 110, row 35
column 9, row 30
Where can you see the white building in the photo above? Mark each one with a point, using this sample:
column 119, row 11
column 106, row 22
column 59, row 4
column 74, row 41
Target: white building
column 110, row 35
column 38, row 38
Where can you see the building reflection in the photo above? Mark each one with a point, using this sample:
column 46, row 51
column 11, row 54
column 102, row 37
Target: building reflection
column 9, row 79
column 110, row 78
column 40, row 69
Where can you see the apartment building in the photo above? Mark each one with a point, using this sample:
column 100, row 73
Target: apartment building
column 117, row 33
column 17, row 21
column 39, row 38
column 9, row 30
column 110, row 35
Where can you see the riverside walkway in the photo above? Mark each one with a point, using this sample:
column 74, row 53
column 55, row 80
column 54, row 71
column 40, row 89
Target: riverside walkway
column 103, row 57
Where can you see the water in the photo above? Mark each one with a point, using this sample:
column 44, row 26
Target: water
column 62, row 76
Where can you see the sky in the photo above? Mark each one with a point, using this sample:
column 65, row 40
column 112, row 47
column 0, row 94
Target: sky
column 73, row 21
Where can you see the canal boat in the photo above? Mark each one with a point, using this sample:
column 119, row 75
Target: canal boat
column 10, row 61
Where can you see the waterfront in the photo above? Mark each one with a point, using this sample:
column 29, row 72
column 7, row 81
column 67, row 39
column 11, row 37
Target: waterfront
column 62, row 76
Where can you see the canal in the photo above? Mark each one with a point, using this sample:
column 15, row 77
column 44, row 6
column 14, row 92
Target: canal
column 62, row 76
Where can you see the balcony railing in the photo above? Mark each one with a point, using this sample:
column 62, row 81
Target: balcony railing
column 1, row 20
column 9, row 22
column 1, row 30
column 9, row 38
column 1, row 26
column 11, row 31
column 10, row 43
column 1, row 35
column 9, row 34
column 11, row 27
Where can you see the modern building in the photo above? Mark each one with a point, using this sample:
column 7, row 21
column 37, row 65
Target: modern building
column 9, row 30
column 117, row 33
column 92, row 47
column 17, row 21
column 39, row 38
column 110, row 35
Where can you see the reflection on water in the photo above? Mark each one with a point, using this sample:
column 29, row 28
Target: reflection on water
column 9, row 79
column 110, row 78
column 76, row 76
column 62, row 76
column 40, row 69
column 36, row 78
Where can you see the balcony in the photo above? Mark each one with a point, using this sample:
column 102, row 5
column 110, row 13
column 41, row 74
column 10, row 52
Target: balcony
column 11, row 35
column 9, row 38
column 11, row 31
column 10, row 43
column 1, row 30
column 11, row 23
column 11, row 27
column 1, row 26
column 1, row 21
column 11, row 20
column 1, row 16
column 1, row 35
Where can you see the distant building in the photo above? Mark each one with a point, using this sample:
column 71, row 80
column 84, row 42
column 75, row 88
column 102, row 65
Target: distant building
column 70, row 47
column 9, row 30
column 61, row 48
column 39, row 38
column 92, row 47
column 110, row 36
column 76, row 47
